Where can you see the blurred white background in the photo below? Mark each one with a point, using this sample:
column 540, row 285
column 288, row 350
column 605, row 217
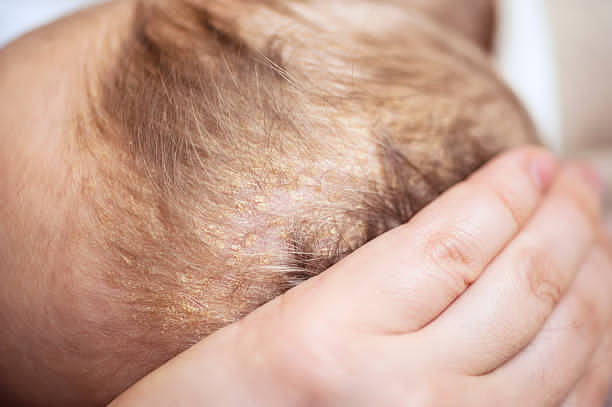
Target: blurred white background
column 19, row 16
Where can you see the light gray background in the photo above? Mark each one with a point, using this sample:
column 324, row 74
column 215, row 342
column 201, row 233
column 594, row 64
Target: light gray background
column 19, row 16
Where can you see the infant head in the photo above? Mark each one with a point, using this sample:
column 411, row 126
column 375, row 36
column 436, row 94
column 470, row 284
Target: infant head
column 169, row 166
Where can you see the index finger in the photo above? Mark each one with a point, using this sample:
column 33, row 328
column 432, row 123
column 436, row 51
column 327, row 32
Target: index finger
column 405, row 278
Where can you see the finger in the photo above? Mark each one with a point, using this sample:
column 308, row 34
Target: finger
column 594, row 386
column 406, row 277
column 507, row 306
column 553, row 363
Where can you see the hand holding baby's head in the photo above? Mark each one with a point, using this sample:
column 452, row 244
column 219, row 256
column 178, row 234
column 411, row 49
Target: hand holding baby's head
column 175, row 165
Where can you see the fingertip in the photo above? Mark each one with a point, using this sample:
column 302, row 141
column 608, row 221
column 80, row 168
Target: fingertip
column 539, row 164
column 542, row 168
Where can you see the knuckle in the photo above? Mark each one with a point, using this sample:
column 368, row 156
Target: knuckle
column 541, row 276
column 456, row 255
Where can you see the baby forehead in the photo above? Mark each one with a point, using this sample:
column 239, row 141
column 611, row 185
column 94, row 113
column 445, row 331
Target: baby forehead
column 40, row 90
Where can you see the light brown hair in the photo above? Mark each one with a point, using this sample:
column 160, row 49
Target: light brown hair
column 244, row 146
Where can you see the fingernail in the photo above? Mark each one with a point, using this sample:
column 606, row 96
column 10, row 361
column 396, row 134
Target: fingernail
column 542, row 170
column 592, row 177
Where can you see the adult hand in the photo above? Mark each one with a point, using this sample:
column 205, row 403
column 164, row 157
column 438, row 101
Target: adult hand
column 498, row 293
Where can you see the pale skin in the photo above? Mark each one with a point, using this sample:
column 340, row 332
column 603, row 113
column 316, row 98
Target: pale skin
column 507, row 303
